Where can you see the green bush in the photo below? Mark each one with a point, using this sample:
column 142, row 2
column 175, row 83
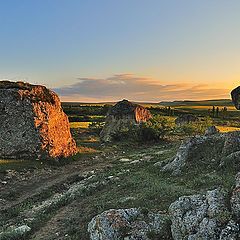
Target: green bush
column 157, row 128
column 96, row 127
column 198, row 127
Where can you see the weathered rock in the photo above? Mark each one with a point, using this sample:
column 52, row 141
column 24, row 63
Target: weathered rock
column 211, row 130
column 235, row 198
column 185, row 119
column 33, row 124
column 199, row 216
column 129, row 224
column 235, row 93
column 231, row 231
column 217, row 149
column 122, row 116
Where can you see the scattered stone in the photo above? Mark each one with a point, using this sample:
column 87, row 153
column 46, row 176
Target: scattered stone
column 122, row 116
column 33, row 124
column 211, row 130
column 129, row 224
column 186, row 119
column 125, row 160
column 135, row 161
column 127, row 199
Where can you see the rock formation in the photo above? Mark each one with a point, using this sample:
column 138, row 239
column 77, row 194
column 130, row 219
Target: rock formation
column 194, row 217
column 215, row 149
column 235, row 94
column 33, row 124
column 203, row 217
column 185, row 119
column 129, row 224
column 121, row 116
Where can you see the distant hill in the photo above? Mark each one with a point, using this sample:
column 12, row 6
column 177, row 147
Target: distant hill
column 215, row 102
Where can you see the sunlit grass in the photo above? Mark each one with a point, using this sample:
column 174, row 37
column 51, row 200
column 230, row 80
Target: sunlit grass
column 229, row 108
column 82, row 149
column 79, row 124
column 227, row 129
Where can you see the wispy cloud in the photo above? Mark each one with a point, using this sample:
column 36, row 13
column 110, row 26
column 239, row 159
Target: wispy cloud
column 136, row 88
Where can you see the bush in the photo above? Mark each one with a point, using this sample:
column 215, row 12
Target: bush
column 96, row 127
column 194, row 128
column 157, row 128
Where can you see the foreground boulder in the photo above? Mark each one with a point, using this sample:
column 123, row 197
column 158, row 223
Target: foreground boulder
column 129, row 224
column 33, row 124
column 203, row 217
column 121, row 116
column 212, row 149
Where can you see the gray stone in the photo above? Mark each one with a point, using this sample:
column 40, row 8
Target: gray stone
column 33, row 124
column 198, row 216
column 224, row 148
column 211, row 130
column 235, row 198
column 186, row 119
column 121, row 117
column 129, row 224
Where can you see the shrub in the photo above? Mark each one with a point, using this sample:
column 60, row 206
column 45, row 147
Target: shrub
column 96, row 127
column 193, row 128
column 155, row 129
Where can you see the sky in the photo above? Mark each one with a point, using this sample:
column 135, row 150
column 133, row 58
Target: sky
column 107, row 50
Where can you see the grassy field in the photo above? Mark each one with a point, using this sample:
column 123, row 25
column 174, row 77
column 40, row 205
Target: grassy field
column 58, row 199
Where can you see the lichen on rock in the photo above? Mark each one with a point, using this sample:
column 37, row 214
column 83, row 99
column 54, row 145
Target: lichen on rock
column 122, row 116
column 33, row 124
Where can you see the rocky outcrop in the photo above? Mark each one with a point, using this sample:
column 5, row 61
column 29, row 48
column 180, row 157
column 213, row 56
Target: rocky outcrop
column 203, row 217
column 129, row 224
column 235, row 198
column 196, row 217
column 33, row 124
column 186, row 119
column 211, row 130
column 121, row 116
column 235, row 94
column 217, row 149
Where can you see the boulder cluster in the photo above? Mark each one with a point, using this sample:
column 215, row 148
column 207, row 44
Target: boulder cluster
column 214, row 215
column 33, row 124
column 200, row 216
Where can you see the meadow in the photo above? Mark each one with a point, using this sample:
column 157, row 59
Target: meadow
column 58, row 199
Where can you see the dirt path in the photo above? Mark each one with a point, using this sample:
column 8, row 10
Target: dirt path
column 20, row 187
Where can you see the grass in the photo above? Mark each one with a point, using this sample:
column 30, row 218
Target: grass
column 227, row 129
column 79, row 124
column 140, row 185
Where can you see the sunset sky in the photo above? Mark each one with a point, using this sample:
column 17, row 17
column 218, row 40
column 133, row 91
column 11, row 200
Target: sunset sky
column 106, row 50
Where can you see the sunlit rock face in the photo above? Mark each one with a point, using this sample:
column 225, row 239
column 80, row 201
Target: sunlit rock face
column 121, row 116
column 33, row 124
column 235, row 94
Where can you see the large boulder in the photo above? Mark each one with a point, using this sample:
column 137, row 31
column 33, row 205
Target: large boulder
column 235, row 94
column 203, row 217
column 129, row 224
column 235, row 198
column 219, row 149
column 33, row 124
column 121, row 116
